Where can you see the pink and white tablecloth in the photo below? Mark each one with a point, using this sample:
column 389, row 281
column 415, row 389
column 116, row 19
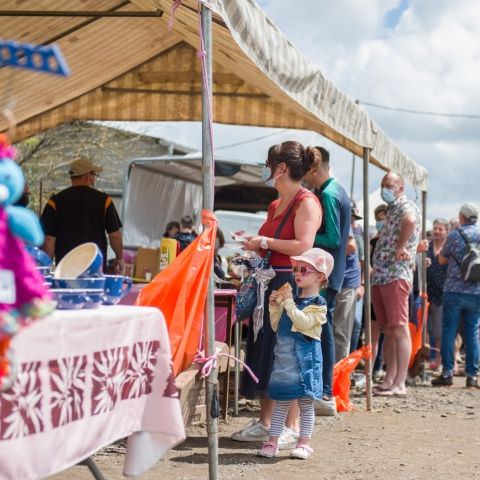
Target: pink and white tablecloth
column 87, row 378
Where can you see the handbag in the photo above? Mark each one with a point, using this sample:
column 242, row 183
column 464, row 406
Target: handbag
column 247, row 295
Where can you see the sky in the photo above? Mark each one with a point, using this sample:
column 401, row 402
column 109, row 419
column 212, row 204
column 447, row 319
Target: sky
column 421, row 55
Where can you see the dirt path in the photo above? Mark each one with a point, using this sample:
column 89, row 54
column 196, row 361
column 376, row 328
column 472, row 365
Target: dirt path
column 434, row 434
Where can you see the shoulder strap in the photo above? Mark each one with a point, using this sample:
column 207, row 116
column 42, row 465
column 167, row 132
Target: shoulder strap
column 465, row 238
column 266, row 258
column 285, row 218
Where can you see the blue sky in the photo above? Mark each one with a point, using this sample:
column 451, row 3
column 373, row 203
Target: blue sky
column 393, row 16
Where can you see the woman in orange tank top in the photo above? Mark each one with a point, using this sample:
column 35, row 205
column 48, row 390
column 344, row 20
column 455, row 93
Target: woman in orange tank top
column 284, row 169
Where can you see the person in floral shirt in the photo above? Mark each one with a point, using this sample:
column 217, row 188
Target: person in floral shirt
column 392, row 278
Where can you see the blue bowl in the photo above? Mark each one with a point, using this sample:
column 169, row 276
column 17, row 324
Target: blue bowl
column 45, row 271
column 40, row 257
column 84, row 261
column 93, row 298
column 116, row 287
column 80, row 283
column 69, row 299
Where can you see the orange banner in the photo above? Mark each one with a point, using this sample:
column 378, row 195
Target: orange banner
column 417, row 330
column 341, row 377
column 180, row 292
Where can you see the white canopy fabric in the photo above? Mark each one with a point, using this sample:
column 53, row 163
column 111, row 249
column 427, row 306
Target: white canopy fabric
column 163, row 189
column 303, row 81
column 136, row 69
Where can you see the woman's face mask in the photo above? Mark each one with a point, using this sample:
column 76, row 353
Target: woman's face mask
column 268, row 178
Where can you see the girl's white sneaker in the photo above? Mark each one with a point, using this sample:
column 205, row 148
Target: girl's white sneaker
column 302, row 452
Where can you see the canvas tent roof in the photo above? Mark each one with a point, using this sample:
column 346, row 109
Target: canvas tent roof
column 175, row 184
column 188, row 168
column 130, row 68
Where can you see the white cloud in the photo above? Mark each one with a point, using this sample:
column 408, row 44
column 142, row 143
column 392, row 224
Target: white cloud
column 429, row 61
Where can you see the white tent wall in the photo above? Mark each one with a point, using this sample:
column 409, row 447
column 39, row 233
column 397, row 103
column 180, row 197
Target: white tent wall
column 151, row 201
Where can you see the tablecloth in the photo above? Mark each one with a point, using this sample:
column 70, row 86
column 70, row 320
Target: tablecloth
column 87, row 378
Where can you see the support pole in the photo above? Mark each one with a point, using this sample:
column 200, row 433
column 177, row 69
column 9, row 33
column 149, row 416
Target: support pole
column 368, row 296
column 423, row 270
column 208, row 192
column 352, row 178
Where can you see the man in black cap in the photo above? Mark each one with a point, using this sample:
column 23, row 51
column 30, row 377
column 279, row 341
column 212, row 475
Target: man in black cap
column 81, row 214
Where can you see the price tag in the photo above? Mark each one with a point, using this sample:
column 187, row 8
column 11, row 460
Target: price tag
column 7, row 287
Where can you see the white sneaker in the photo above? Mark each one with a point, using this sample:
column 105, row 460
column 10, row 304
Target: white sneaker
column 302, row 452
column 255, row 431
column 287, row 439
column 325, row 408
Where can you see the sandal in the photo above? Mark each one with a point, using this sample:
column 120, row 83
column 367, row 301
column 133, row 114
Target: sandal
column 302, row 452
column 383, row 392
column 379, row 389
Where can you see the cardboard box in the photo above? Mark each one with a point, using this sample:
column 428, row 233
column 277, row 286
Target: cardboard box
column 148, row 260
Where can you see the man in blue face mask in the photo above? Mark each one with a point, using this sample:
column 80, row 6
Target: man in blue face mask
column 392, row 278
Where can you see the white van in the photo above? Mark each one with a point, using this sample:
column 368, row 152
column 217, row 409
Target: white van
column 232, row 221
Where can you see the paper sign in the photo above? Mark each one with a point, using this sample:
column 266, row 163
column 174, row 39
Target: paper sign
column 7, row 287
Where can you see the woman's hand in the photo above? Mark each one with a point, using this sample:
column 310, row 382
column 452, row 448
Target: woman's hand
column 252, row 243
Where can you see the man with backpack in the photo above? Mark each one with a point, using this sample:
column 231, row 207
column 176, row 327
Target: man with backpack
column 461, row 296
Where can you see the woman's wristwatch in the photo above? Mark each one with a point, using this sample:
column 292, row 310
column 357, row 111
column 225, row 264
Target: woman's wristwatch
column 264, row 243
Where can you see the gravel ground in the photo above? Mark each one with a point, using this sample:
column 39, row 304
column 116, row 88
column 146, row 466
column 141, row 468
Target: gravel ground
column 432, row 434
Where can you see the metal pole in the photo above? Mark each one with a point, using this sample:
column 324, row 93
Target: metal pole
column 237, row 339
column 367, row 297
column 423, row 270
column 208, row 179
column 352, row 179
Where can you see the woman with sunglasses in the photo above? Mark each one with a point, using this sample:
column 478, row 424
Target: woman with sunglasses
column 301, row 214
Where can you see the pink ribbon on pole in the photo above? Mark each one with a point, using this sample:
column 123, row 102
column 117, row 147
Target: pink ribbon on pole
column 173, row 9
column 210, row 362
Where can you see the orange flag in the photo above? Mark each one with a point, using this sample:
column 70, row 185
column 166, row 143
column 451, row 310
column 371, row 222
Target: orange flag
column 417, row 330
column 341, row 377
column 180, row 292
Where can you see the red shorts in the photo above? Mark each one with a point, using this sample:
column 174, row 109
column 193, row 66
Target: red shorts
column 390, row 303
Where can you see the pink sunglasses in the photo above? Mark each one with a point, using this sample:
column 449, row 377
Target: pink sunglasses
column 303, row 270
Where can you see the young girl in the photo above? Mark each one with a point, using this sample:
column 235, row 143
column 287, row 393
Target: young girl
column 297, row 366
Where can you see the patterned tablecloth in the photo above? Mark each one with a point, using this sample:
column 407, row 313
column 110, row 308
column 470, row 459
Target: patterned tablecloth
column 87, row 378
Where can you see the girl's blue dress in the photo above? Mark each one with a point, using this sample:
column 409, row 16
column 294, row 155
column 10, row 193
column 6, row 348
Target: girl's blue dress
column 297, row 366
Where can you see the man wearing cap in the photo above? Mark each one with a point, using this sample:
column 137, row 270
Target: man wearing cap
column 460, row 298
column 82, row 214
column 392, row 280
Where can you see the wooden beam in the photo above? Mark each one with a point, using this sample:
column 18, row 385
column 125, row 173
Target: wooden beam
column 182, row 92
column 189, row 77
column 79, row 13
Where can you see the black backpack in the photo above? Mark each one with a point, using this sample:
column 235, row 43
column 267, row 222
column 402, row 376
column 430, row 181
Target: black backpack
column 470, row 264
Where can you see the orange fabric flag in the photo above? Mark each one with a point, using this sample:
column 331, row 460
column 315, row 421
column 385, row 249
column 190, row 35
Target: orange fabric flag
column 180, row 292
column 341, row 377
column 417, row 330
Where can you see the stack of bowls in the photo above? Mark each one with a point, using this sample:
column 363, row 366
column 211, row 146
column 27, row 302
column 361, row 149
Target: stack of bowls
column 78, row 281
column 43, row 263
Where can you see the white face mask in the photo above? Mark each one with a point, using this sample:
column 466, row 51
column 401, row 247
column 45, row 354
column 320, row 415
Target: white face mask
column 267, row 177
